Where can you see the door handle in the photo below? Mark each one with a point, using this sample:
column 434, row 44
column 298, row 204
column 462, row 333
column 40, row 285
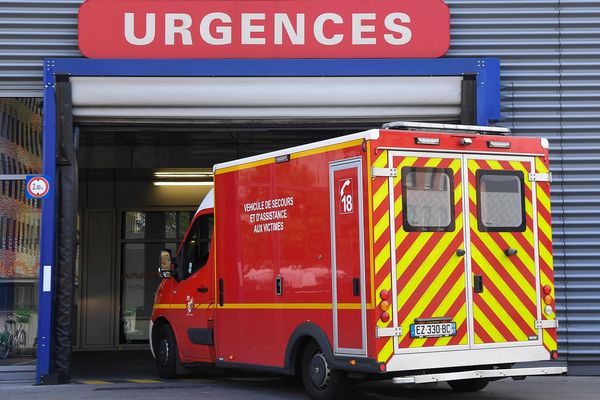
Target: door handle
column 356, row 286
column 510, row 252
column 460, row 252
column 221, row 292
column 202, row 290
column 478, row 284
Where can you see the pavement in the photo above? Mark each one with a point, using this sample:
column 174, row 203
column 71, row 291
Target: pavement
column 130, row 376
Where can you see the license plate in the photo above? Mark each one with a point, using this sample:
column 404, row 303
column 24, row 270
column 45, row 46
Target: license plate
column 433, row 330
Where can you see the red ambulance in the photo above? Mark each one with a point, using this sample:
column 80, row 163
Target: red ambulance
column 417, row 253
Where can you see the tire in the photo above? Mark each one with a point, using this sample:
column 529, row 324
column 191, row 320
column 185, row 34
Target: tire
column 468, row 385
column 22, row 339
column 166, row 353
column 4, row 350
column 321, row 382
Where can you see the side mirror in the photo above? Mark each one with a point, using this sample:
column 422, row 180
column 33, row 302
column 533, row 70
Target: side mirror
column 166, row 269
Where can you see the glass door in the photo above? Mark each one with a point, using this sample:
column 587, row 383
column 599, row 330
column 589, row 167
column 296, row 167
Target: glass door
column 144, row 234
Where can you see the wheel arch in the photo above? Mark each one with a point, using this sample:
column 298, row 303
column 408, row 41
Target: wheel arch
column 155, row 327
column 302, row 335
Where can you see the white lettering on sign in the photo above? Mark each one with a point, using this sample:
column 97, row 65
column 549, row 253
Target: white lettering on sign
column 346, row 196
column 248, row 28
column 295, row 34
column 268, row 215
column 178, row 29
column 178, row 24
column 223, row 31
column 263, row 29
column 392, row 25
column 318, row 29
column 130, row 29
column 359, row 27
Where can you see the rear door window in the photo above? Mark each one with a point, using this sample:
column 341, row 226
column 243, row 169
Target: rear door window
column 500, row 201
column 428, row 200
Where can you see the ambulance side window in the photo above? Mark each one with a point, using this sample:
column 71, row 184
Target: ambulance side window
column 500, row 201
column 197, row 246
column 428, row 199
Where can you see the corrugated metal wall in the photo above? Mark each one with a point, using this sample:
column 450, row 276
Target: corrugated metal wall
column 29, row 32
column 551, row 87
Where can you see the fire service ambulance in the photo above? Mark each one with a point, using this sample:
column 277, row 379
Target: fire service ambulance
column 417, row 252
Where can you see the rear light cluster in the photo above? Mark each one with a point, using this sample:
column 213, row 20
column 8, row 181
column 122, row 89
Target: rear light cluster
column 384, row 305
column 548, row 300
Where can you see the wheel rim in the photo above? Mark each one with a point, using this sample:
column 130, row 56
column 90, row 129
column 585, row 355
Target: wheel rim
column 319, row 371
column 163, row 352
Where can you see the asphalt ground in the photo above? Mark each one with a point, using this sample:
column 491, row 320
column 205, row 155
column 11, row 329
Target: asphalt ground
column 130, row 376
column 231, row 387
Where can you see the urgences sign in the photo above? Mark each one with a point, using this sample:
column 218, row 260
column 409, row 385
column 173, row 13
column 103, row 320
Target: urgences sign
column 264, row 29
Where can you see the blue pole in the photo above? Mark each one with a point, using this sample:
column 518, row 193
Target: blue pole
column 47, row 231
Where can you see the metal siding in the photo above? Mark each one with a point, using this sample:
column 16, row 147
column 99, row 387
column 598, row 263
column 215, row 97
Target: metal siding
column 550, row 80
column 550, row 88
column 29, row 32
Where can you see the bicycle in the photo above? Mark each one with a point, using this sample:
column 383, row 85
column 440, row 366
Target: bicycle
column 13, row 338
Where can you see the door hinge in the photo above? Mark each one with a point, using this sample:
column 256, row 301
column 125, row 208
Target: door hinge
column 546, row 324
column 536, row 177
column 388, row 332
column 384, row 172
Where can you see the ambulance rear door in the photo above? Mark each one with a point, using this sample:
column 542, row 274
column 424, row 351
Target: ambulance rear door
column 502, row 252
column 427, row 245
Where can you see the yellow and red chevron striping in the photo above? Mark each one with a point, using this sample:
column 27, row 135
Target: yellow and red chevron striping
column 507, row 309
column 382, row 252
column 549, row 337
column 430, row 277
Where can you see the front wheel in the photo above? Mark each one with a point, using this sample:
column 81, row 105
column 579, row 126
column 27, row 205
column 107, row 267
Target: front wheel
column 320, row 381
column 166, row 353
column 468, row 385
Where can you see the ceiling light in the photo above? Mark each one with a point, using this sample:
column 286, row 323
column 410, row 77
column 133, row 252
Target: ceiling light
column 189, row 174
column 183, row 183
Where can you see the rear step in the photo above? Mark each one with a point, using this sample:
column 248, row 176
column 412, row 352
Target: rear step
column 478, row 374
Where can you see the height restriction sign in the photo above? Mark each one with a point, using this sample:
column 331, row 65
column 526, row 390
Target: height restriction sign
column 38, row 186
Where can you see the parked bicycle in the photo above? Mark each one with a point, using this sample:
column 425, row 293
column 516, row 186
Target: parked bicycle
column 13, row 339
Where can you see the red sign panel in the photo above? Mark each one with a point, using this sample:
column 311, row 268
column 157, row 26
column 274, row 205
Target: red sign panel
column 264, row 29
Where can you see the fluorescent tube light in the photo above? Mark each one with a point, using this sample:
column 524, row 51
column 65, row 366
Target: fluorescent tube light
column 183, row 174
column 182, row 183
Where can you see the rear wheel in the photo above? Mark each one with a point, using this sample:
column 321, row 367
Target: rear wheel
column 320, row 381
column 166, row 353
column 468, row 385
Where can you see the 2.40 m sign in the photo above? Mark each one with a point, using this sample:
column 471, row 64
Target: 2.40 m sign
column 264, row 29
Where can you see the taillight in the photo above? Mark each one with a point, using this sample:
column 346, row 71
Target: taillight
column 385, row 317
column 385, row 305
column 384, row 294
column 554, row 355
column 547, row 290
column 548, row 300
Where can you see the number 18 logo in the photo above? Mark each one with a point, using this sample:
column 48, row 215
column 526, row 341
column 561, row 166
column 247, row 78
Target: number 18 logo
column 346, row 186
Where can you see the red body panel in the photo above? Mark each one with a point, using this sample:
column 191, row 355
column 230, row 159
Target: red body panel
column 273, row 224
column 347, row 250
column 273, row 220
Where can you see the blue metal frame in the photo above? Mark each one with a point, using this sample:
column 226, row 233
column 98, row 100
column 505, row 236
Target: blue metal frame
column 487, row 71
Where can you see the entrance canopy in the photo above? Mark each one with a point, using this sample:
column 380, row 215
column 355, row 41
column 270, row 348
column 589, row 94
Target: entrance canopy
column 262, row 98
column 285, row 93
